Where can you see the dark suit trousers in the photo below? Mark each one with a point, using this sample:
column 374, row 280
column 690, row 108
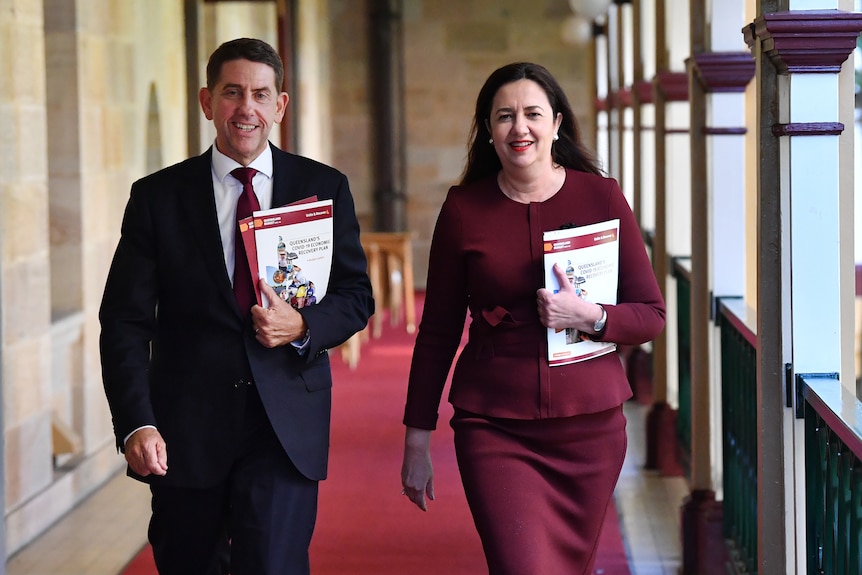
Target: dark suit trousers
column 257, row 522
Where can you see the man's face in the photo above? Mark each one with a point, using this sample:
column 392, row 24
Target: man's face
column 243, row 106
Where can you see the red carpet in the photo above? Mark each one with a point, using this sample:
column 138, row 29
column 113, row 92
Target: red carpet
column 365, row 526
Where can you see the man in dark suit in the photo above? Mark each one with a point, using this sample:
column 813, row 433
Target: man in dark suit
column 224, row 410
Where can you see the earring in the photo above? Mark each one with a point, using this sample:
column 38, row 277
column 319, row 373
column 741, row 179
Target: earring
column 556, row 137
column 490, row 140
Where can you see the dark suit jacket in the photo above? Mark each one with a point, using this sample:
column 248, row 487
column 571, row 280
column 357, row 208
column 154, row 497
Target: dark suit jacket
column 176, row 351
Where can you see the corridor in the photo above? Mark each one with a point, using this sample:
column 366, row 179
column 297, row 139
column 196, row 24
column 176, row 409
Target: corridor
column 100, row 536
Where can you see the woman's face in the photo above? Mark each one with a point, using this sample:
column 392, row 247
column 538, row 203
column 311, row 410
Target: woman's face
column 523, row 125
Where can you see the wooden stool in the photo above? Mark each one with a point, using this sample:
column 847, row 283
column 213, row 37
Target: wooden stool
column 350, row 350
column 392, row 253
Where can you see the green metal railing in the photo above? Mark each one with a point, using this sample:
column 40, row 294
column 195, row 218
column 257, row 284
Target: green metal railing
column 682, row 273
column 739, row 429
column 833, row 476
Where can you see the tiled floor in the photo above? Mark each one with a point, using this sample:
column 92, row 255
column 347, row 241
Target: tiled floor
column 648, row 505
column 102, row 534
column 99, row 537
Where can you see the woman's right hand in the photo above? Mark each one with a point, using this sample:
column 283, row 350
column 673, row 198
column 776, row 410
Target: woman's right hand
column 417, row 474
column 566, row 309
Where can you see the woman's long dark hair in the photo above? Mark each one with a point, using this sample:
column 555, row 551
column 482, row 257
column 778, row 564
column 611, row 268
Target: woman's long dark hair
column 568, row 151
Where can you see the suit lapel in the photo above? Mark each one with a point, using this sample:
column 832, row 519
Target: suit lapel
column 196, row 195
column 281, row 189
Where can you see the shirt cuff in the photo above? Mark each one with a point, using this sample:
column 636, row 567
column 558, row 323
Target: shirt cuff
column 301, row 345
column 126, row 439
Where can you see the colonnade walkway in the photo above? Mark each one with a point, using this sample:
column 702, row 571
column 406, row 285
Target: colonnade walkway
column 104, row 533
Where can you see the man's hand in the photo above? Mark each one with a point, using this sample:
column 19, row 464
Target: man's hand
column 279, row 324
column 146, row 452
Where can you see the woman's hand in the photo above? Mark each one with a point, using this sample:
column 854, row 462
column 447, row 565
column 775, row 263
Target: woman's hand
column 566, row 309
column 417, row 474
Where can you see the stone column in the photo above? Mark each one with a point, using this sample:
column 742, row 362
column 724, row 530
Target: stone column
column 387, row 84
column 25, row 285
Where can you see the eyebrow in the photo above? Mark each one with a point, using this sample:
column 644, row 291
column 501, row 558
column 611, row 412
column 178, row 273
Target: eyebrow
column 239, row 86
column 526, row 108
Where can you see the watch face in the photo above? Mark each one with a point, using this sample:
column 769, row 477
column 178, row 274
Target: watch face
column 599, row 326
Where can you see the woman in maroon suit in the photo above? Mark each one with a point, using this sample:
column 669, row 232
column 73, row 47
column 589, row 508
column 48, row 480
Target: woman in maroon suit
column 539, row 448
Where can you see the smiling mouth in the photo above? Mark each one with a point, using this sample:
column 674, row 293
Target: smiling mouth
column 244, row 127
column 520, row 146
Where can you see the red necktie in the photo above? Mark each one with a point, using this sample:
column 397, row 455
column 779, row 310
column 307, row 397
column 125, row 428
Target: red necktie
column 243, row 288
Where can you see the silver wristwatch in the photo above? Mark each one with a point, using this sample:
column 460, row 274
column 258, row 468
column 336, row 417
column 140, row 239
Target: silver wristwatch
column 600, row 325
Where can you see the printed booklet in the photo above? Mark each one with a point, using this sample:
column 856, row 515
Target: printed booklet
column 590, row 257
column 291, row 247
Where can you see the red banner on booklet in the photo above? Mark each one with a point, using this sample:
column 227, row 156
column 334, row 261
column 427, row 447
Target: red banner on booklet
column 246, row 228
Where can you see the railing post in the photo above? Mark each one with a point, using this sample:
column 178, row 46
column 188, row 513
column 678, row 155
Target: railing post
column 718, row 73
column 799, row 55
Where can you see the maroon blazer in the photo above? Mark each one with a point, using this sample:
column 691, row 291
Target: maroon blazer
column 486, row 256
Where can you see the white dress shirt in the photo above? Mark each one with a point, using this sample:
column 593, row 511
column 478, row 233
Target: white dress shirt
column 227, row 190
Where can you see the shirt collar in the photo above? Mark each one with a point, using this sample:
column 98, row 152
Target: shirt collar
column 223, row 165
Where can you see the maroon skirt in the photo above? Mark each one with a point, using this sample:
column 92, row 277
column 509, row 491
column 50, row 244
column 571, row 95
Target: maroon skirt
column 539, row 489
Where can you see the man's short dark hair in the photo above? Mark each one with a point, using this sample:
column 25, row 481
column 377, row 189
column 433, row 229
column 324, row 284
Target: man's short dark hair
column 250, row 49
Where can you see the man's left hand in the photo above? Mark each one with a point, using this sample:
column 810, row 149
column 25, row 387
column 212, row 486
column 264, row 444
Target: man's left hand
column 280, row 323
